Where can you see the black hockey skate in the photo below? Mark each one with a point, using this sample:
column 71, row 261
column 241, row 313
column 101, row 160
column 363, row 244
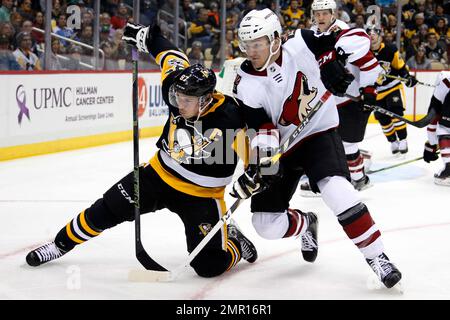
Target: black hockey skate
column 362, row 184
column 443, row 178
column 310, row 245
column 43, row 254
column 385, row 270
column 248, row 249
column 306, row 191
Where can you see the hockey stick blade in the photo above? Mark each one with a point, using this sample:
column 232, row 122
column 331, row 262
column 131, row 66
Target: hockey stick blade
column 394, row 165
column 419, row 123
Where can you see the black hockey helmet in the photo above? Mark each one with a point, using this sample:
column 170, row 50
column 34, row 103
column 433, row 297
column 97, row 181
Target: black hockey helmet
column 195, row 80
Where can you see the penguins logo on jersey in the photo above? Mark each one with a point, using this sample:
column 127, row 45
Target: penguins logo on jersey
column 187, row 144
column 386, row 66
column 297, row 105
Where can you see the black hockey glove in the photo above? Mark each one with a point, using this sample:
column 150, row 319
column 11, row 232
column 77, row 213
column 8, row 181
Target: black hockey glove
column 411, row 81
column 248, row 184
column 430, row 152
column 368, row 95
column 137, row 35
column 333, row 73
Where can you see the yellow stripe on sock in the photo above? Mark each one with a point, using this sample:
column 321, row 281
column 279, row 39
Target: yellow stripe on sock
column 71, row 235
column 85, row 225
column 232, row 249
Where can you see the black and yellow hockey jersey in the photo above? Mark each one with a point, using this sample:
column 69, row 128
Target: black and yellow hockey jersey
column 195, row 157
column 389, row 58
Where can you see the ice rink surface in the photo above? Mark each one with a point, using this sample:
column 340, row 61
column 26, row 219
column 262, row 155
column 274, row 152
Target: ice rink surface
column 39, row 195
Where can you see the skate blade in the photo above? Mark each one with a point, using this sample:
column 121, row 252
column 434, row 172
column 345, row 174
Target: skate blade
column 309, row 194
column 442, row 182
column 139, row 275
column 373, row 283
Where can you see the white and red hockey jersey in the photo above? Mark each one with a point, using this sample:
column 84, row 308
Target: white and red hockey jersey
column 361, row 62
column 277, row 95
column 442, row 86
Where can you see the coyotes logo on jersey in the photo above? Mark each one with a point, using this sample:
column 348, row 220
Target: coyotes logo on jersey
column 297, row 105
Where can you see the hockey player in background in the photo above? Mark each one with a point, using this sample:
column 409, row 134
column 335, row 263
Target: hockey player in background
column 391, row 94
column 276, row 87
column 353, row 116
column 439, row 129
column 179, row 176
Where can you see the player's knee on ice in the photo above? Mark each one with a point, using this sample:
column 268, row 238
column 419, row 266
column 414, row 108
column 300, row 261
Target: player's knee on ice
column 211, row 263
column 270, row 225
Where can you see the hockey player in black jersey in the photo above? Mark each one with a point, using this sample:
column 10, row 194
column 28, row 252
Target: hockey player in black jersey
column 276, row 87
column 391, row 95
column 186, row 175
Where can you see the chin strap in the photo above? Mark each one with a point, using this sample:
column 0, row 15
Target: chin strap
column 272, row 53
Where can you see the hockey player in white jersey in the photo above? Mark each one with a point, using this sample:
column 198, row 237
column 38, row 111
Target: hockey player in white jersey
column 276, row 87
column 439, row 129
column 353, row 118
column 323, row 13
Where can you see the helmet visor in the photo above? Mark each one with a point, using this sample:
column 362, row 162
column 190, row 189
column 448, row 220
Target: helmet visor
column 259, row 45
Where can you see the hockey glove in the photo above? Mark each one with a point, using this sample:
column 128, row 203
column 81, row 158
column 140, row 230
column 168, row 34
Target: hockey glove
column 248, row 184
column 137, row 35
column 368, row 95
column 430, row 152
column 333, row 73
column 411, row 81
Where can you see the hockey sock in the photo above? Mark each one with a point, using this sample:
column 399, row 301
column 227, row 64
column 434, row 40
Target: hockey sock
column 389, row 131
column 355, row 162
column 362, row 230
column 297, row 223
column 400, row 129
column 444, row 145
column 234, row 250
column 77, row 231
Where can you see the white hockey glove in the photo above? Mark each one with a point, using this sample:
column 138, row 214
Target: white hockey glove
column 137, row 35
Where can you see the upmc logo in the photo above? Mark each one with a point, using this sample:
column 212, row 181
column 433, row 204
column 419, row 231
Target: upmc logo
column 21, row 99
column 142, row 96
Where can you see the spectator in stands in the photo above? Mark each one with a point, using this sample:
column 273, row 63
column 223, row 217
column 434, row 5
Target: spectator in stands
column 196, row 54
column 62, row 30
column 74, row 62
column 105, row 33
column 38, row 22
column 201, row 30
column 7, row 59
column 358, row 8
column 57, row 9
column 359, row 22
column 16, row 21
column 26, row 10
column 343, row 15
column 419, row 61
column 23, row 54
column 293, row 15
column 413, row 47
column 87, row 17
column 86, row 38
column 433, row 50
column 249, row 6
column 7, row 29
column 439, row 14
column 5, row 10
column 189, row 11
column 110, row 62
column 441, row 30
column 55, row 63
column 120, row 19
column 417, row 26
column 231, row 7
column 214, row 15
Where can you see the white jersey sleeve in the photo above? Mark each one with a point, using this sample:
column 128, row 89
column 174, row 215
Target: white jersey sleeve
column 442, row 86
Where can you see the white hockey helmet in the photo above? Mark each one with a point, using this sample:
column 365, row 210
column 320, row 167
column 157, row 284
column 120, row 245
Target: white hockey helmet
column 259, row 23
column 323, row 5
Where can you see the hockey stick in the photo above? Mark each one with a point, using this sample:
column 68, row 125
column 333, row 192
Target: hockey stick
column 405, row 80
column 165, row 275
column 419, row 123
column 142, row 255
column 394, row 165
